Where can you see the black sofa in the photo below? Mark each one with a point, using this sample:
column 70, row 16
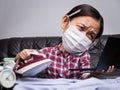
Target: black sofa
column 11, row 46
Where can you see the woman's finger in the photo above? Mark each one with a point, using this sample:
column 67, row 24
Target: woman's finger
column 24, row 54
column 110, row 69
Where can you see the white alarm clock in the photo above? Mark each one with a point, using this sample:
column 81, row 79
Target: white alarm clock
column 7, row 78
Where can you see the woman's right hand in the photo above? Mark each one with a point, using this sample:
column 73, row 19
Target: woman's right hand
column 24, row 54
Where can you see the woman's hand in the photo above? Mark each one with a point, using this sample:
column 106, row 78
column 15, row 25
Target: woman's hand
column 110, row 69
column 96, row 73
column 24, row 54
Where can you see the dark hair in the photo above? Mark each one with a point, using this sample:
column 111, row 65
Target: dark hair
column 87, row 10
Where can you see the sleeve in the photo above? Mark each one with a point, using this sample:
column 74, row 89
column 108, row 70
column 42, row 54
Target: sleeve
column 85, row 63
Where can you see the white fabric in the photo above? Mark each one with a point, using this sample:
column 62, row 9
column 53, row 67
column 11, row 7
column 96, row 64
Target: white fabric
column 67, row 84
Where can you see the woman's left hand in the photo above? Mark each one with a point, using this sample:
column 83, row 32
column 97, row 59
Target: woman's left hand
column 96, row 73
column 110, row 69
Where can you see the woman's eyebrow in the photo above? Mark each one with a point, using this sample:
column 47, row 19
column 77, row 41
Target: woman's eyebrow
column 81, row 24
column 88, row 27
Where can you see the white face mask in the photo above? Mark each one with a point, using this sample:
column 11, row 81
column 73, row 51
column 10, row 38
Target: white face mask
column 74, row 41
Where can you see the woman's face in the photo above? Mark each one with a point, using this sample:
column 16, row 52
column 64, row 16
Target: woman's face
column 87, row 25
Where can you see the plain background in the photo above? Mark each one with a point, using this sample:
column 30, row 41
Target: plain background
column 32, row 18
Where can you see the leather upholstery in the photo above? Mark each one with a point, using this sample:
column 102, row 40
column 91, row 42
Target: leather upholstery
column 11, row 46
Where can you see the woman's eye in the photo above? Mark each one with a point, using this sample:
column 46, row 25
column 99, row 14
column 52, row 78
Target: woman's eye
column 91, row 36
column 81, row 28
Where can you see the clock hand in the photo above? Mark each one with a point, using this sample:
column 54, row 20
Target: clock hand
column 8, row 77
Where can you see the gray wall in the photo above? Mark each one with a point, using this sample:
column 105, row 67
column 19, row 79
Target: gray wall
column 27, row 18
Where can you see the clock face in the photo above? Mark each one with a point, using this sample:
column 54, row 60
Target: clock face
column 7, row 78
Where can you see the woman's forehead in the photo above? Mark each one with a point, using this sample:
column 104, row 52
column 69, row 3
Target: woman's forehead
column 87, row 21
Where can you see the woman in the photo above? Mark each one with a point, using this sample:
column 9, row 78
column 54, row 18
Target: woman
column 80, row 27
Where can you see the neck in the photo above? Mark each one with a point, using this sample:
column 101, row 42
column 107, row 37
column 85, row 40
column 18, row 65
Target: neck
column 63, row 49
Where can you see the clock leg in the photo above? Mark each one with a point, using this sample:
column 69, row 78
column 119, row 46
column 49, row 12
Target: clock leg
column 1, row 88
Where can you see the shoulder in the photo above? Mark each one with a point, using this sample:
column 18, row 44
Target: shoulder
column 85, row 55
column 48, row 49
